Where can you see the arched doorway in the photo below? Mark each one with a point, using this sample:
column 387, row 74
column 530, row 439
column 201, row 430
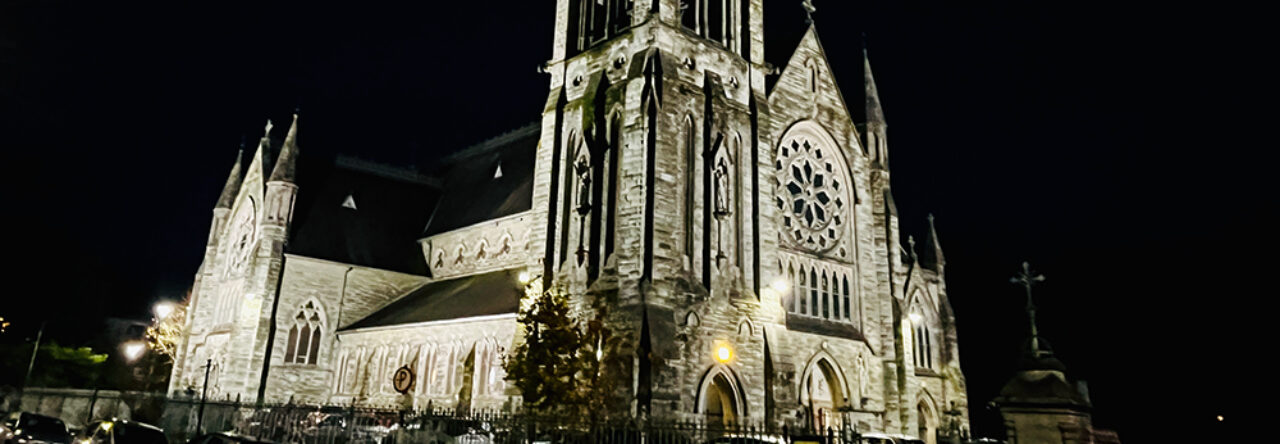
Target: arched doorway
column 823, row 394
column 719, row 401
column 927, row 422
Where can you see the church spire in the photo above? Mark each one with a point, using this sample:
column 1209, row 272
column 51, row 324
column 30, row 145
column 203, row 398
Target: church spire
column 931, row 257
column 875, row 114
column 232, row 187
column 874, row 134
column 286, row 165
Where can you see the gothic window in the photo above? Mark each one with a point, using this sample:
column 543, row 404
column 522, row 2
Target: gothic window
column 793, row 303
column 689, row 14
column 691, row 165
column 613, row 182
column 846, row 298
column 811, row 192
column 304, row 335
column 819, row 290
column 594, row 21
column 569, row 181
column 813, row 292
column 811, row 65
column 923, row 344
column 804, row 292
column 716, row 20
column 826, row 297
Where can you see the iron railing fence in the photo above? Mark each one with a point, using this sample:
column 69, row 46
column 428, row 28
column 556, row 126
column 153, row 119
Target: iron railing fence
column 183, row 418
column 349, row 425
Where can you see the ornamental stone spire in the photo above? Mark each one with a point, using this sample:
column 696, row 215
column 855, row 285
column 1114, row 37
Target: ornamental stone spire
column 286, row 164
column 232, row 186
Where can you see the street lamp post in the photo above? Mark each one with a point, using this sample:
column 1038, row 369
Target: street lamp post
column 32, row 364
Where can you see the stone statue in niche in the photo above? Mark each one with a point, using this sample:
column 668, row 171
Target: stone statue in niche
column 722, row 197
column 583, row 168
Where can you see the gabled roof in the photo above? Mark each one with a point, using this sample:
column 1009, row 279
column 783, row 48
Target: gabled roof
column 472, row 192
column 492, row 293
column 391, row 207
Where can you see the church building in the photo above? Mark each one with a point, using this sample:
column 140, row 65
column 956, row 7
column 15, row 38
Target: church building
column 735, row 220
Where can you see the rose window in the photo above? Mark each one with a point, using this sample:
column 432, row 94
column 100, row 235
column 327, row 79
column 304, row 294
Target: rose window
column 810, row 195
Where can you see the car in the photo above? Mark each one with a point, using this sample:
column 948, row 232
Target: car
column 227, row 438
column 880, row 438
column 748, row 439
column 30, row 428
column 121, row 431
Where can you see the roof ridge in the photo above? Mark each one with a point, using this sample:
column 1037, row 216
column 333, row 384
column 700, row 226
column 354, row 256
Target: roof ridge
column 389, row 171
column 493, row 142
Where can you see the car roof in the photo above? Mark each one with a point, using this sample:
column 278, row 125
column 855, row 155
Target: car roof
column 242, row 438
column 128, row 422
column 37, row 415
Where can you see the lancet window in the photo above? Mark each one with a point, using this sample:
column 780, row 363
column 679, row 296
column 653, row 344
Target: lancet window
column 594, row 21
column 821, row 290
column 721, row 21
column 305, row 335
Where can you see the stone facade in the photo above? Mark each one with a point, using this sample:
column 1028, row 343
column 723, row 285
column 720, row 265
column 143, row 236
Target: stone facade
column 738, row 225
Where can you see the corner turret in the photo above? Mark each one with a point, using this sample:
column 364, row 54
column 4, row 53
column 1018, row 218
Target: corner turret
column 931, row 254
column 281, row 187
column 875, row 129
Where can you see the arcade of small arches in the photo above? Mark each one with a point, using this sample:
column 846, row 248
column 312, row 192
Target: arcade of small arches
column 438, row 368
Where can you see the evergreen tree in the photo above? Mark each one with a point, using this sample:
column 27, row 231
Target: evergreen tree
column 560, row 366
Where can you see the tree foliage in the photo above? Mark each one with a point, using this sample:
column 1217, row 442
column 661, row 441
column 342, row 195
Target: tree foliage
column 55, row 366
column 165, row 335
column 560, row 368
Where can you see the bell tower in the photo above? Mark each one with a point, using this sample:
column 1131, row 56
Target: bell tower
column 646, row 178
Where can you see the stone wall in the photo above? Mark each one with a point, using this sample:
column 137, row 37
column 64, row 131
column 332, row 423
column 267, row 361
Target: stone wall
column 343, row 294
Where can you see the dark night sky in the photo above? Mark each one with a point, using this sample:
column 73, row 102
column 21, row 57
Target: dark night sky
column 1109, row 145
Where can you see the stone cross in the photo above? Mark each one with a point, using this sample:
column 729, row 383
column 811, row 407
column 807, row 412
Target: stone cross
column 808, row 10
column 1027, row 279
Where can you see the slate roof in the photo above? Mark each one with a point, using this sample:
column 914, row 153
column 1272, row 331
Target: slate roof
column 492, row 293
column 391, row 207
column 471, row 194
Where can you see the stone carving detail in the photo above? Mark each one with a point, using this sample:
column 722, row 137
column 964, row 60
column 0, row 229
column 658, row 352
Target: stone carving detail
column 480, row 248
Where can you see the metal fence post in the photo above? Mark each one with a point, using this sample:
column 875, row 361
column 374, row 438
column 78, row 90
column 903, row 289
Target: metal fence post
column 204, row 391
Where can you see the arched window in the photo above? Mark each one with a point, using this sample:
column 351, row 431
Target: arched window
column 305, row 334
column 847, row 316
column 923, row 344
column 691, row 165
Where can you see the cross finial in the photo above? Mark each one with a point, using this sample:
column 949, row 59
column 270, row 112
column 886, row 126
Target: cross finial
column 267, row 132
column 1027, row 279
column 809, row 9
